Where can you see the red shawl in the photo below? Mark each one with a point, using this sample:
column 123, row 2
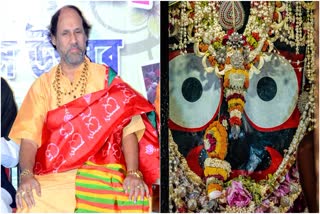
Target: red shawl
column 90, row 128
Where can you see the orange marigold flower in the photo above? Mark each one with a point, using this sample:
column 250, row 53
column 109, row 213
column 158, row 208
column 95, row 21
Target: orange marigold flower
column 212, row 60
column 221, row 67
column 226, row 82
column 246, row 83
column 203, row 47
column 228, row 60
column 265, row 46
column 257, row 59
column 278, row 3
column 247, row 66
column 275, row 16
column 213, row 186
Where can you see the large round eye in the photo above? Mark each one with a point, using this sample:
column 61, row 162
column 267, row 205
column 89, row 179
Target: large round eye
column 194, row 95
column 272, row 95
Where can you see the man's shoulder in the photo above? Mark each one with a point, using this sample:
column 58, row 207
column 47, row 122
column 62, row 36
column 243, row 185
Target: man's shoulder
column 100, row 68
column 99, row 65
column 46, row 77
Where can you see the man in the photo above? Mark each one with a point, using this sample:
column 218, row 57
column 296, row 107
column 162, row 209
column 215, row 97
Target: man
column 79, row 128
column 9, row 150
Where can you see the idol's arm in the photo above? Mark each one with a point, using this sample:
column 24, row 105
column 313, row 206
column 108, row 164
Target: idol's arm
column 307, row 172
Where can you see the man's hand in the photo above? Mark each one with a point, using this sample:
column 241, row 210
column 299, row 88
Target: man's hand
column 135, row 186
column 28, row 183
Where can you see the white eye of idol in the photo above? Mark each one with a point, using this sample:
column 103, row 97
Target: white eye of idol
column 272, row 94
column 194, row 94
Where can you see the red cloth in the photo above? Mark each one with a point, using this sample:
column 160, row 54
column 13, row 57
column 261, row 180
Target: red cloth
column 90, row 128
column 276, row 160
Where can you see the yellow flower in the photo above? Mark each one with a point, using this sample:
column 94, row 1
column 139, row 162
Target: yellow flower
column 216, row 171
column 235, row 102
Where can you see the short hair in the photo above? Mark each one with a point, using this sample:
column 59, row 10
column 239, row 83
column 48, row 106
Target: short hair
column 55, row 19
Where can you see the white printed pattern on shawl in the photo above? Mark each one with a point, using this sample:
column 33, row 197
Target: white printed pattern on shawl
column 128, row 94
column 52, row 151
column 111, row 106
column 76, row 143
column 60, row 160
column 92, row 123
column 66, row 130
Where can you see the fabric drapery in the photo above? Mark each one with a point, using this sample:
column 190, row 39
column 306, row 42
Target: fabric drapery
column 89, row 129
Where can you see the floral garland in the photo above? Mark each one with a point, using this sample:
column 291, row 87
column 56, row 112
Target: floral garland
column 230, row 54
column 227, row 52
column 236, row 82
column 199, row 24
column 216, row 169
column 186, row 189
column 216, row 140
column 241, row 194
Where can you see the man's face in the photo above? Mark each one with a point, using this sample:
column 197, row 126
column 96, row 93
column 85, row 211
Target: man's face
column 70, row 39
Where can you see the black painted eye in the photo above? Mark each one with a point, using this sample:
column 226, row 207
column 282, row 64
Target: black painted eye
column 194, row 95
column 191, row 89
column 272, row 95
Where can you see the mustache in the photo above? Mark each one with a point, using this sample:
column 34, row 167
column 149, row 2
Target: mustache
column 75, row 46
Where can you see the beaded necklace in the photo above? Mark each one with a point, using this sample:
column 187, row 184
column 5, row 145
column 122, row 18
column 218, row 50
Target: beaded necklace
column 82, row 83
